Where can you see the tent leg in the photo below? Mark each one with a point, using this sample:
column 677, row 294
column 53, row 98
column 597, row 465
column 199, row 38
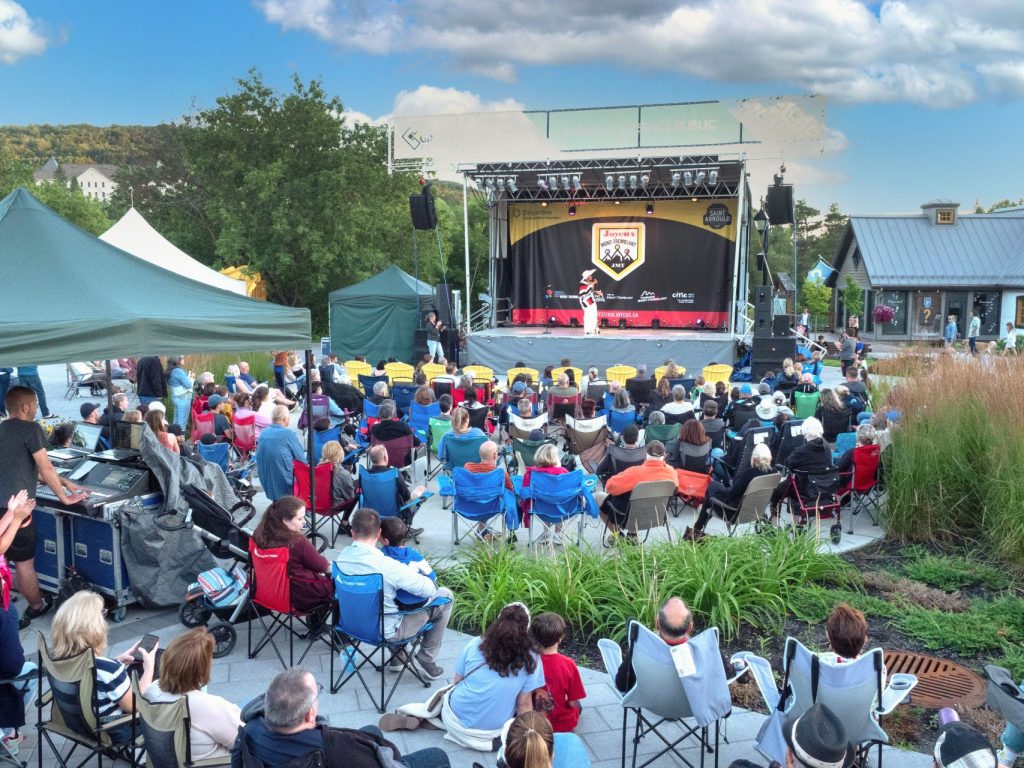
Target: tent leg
column 308, row 406
column 110, row 403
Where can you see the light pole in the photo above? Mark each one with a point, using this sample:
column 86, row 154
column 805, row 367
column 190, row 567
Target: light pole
column 763, row 226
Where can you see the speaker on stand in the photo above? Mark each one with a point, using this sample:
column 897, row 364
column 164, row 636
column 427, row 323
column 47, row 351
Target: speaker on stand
column 763, row 312
column 419, row 344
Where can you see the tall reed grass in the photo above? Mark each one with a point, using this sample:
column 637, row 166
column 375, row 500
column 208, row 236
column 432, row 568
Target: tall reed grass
column 725, row 581
column 956, row 471
column 261, row 365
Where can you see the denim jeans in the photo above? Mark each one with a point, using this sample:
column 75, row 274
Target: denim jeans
column 32, row 380
column 431, row 757
column 5, row 384
column 146, row 399
column 1012, row 737
column 181, row 408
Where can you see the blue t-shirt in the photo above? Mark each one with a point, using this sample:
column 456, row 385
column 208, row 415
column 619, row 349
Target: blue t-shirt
column 407, row 555
column 570, row 752
column 485, row 699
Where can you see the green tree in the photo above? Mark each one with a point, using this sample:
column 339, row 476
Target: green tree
column 853, row 298
column 13, row 173
column 85, row 212
column 817, row 297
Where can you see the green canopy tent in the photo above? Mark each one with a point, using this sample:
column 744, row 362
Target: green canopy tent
column 378, row 316
column 70, row 296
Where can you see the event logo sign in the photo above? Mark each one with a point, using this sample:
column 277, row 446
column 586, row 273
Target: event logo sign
column 618, row 248
column 717, row 216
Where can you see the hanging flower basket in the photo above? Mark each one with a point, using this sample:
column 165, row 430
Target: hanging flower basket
column 884, row 313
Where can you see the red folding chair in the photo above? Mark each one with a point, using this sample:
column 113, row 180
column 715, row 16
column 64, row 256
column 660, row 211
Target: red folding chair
column 323, row 505
column 203, row 424
column 862, row 490
column 272, row 599
column 560, row 406
column 244, row 436
column 400, row 449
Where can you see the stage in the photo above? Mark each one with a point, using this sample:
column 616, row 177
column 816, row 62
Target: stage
column 501, row 348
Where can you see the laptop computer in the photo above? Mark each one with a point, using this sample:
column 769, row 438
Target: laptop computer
column 84, row 442
column 127, row 439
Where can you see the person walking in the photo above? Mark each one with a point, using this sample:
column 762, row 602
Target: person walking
column 973, row 329
column 950, row 334
column 28, row 376
column 588, row 301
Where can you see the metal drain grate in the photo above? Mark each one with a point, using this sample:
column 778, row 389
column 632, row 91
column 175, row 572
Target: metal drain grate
column 941, row 683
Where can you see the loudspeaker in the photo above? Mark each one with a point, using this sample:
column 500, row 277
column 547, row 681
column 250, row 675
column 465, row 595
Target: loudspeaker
column 763, row 311
column 780, row 325
column 768, row 354
column 450, row 344
column 421, row 207
column 443, row 303
column 762, row 326
column 419, row 344
column 780, row 204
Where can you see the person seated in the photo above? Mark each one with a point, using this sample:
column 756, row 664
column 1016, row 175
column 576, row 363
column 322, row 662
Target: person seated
column 806, row 385
column 155, row 420
column 343, row 395
column 241, row 385
column 488, row 462
column 856, row 403
column 883, row 435
column 593, row 376
column 343, row 484
column 221, row 423
column 562, row 682
column 813, row 456
column 588, row 408
column 661, row 395
column 283, row 525
column 692, row 449
column 278, row 446
column 529, row 741
column 15, row 698
column 445, row 402
column 674, row 625
column 563, row 388
column 547, row 377
column 380, row 393
column 450, row 374
column 672, row 371
column 865, row 436
column 525, row 408
column 79, row 625
column 284, row 725
column 379, row 369
column 732, row 492
column 120, row 403
column 62, row 435
column 765, row 411
column 393, row 535
column 742, row 409
column 788, row 379
column 709, row 418
column 133, row 416
column 186, row 666
column 471, row 401
column 680, row 405
column 243, row 410
column 847, row 633
column 461, row 430
column 630, row 441
column 424, row 396
column 621, row 402
column 817, row 738
column 378, row 456
column 834, row 415
column 390, row 427
column 721, row 396
column 614, row 501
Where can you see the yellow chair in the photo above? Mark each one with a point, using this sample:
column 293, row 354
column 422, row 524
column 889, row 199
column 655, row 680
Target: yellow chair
column 660, row 371
column 533, row 373
column 399, row 372
column 620, row 373
column 578, row 372
column 480, row 373
column 717, row 373
column 432, row 371
column 356, row 367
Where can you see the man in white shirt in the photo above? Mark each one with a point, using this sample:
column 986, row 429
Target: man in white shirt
column 362, row 557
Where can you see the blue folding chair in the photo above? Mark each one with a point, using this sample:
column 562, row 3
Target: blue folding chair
column 556, row 499
column 403, row 394
column 231, row 383
column 379, row 491
column 618, row 421
column 419, row 419
column 215, row 454
column 844, row 442
column 368, row 382
column 479, row 498
column 370, row 411
column 320, row 439
column 359, row 606
column 456, row 451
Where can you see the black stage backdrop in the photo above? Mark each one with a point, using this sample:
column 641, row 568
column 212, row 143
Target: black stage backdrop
column 674, row 266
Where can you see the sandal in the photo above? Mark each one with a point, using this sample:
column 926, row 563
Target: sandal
column 396, row 721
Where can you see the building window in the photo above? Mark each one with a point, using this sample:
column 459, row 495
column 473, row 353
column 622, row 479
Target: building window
column 856, row 257
column 944, row 216
column 987, row 305
column 898, row 301
column 1019, row 319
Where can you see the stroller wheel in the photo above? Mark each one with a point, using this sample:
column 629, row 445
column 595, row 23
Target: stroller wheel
column 224, row 637
column 193, row 613
column 836, row 533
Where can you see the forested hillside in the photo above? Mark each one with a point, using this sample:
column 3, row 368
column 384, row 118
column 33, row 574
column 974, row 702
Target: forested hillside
column 115, row 144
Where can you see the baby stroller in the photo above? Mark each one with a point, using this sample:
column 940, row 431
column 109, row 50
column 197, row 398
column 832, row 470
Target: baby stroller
column 816, row 495
column 219, row 592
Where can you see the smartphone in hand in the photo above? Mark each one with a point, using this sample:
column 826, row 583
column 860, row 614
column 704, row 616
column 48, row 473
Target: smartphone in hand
column 149, row 643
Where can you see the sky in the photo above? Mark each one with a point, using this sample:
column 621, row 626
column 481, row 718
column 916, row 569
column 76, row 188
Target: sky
column 925, row 97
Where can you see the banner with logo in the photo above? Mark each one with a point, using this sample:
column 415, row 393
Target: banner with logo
column 674, row 266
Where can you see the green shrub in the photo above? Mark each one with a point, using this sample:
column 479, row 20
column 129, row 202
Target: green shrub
column 725, row 581
column 950, row 572
column 261, row 365
column 812, row 603
column 966, row 634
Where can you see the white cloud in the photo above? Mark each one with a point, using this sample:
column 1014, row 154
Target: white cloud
column 19, row 33
column 943, row 53
column 430, row 100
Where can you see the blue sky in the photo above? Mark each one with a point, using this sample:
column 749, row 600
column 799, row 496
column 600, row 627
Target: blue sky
column 927, row 96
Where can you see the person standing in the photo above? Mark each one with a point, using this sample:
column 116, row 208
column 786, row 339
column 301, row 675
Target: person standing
column 588, row 301
column 28, row 376
column 433, row 336
column 950, row 334
column 150, row 380
column 973, row 329
column 5, row 384
column 847, row 350
column 180, row 384
column 1011, row 340
column 23, row 446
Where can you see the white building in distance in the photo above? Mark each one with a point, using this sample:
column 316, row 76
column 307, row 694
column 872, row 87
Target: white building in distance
column 96, row 180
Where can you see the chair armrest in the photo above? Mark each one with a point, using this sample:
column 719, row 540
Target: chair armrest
column 435, row 602
column 739, row 667
column 417, row 501
column 896, row 691
column 114, row 723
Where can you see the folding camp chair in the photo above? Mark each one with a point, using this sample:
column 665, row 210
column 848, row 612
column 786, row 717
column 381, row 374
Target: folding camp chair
column 243, row 436
column 621, row 458
column 555, row 500
column 791, row 438
column 816, row 494
column 379, row 491
column 442, row 387
column 533, row 373
column 403, row 394
column 70, row 692
column 81, row 375
column 320, row 405
column 680, row 418
column 479, row 499
column 456, row 451
column 855, row 690
column 752, row 507
column 165, row 730
column 620, row 373
column 203, row 424
column 438, row 428
column 478, row 418
column 683, row 685
column 648, row 508
column 367, row 383
column 844, row 442
column 618, row 421
column 597, row 390
column 520, row 428
column 321, row 438
column 323, row 506
column 582, row 434
column 523, row 454
column 271, row 595
column 217, row 453
column 662, row 432
column 742, row 448
column 359, row 611
column 560, row 407
column 862, row 489
column 402, row 452
column 399, row 372
column 419, row 419
column 805, row 404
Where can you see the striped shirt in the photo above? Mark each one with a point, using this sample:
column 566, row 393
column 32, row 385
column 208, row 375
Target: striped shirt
column 112, row 684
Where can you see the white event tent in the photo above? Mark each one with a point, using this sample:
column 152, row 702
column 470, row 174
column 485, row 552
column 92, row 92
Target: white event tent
column 132, row 233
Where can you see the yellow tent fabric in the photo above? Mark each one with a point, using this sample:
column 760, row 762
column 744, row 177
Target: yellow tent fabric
column 255, row 288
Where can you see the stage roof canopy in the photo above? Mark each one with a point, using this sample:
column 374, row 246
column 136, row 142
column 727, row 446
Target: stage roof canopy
column 70, row 296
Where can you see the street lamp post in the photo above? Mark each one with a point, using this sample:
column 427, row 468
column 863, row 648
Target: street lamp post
column 763, row 226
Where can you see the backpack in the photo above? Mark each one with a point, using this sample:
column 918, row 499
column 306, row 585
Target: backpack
column 73, row 582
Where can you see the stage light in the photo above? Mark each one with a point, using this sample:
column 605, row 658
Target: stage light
column 713, row 176
column 542, row 183
column 676, row 178
column 644, row 179
column 543, row 203
column 701, row 176
column 576, row 182
column 552, row 320
column 622, row 182
column 572, row 210
column 574, row 322
column 650, row 209
column 632, row 181
column 565, row 183
column 501, row 184
column 489, row 184
column 609, row 182
column 655, row 323
column 622, row 322
column 688, row 178
column 618, row 202
column 700, row 323
column 604, row 322
column 552, row 183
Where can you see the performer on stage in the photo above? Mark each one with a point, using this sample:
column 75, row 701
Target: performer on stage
column 588, row 300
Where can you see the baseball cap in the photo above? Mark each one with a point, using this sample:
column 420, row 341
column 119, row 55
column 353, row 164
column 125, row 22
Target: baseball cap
column 763, row 389
column 156, row 405
column 961, row 746
column 746, row 390
column 213, row 401
column 518, row 386
column 88, row 409
column 818, row 739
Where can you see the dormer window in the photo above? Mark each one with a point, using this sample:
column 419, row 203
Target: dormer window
column 945, row 216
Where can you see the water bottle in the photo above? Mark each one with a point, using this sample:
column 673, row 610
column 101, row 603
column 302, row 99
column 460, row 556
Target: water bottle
column 947, row 715
column 348, row 654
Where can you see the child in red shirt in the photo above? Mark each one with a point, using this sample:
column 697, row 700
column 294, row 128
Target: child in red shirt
column 561, row 677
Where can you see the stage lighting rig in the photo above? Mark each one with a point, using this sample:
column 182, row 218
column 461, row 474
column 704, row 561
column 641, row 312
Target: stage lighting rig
column 572, row 210
column 512, row 185
column 650, row 209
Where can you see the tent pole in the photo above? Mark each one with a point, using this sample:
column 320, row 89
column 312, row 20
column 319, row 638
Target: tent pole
column 110, row 403
column 465, row 238
column 416, row 269
column 308, row 407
